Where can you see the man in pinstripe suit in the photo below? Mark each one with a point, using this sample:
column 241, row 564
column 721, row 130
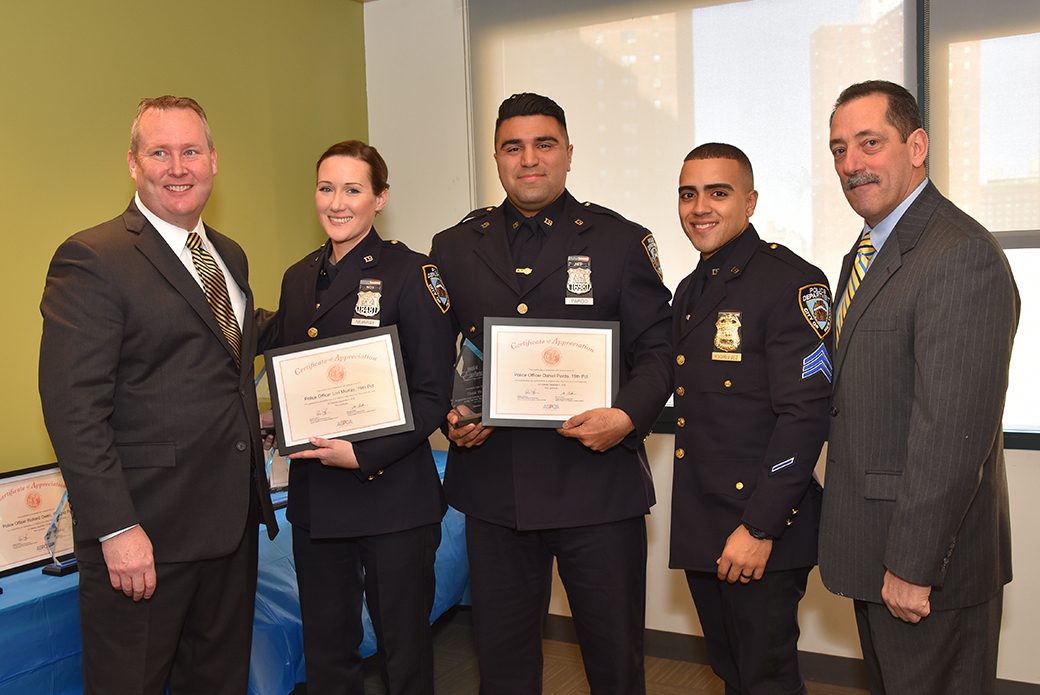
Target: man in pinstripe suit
column 915, row 522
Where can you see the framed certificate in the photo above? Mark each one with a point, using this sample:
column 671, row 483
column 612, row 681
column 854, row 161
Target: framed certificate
column 349, row 387
column 29, row 500
column 540, row 372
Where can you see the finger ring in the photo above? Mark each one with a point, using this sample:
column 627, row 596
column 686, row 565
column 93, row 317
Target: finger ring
column 744, row 576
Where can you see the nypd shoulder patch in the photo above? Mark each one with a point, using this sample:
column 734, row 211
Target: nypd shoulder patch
column 815, row 302
column 651, row 250
column 436, row 287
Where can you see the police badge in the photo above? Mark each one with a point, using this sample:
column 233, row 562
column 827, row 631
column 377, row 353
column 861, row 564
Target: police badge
column 579, row 280
column 727, row 336
column 366, row 311
column 815, row 301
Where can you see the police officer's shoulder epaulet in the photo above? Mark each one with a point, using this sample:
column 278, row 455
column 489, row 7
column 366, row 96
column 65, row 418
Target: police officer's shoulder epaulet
column 600, row 210
column 395, row 244
column 782, row 253
column 476, row 214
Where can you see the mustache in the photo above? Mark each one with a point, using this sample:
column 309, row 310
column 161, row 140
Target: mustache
column 860, row 179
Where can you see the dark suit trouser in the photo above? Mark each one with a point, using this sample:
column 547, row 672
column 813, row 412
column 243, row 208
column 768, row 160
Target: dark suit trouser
column 394, row 572
column 603, row 568
column 751, row 630
column 193, row 635
column 953, row 651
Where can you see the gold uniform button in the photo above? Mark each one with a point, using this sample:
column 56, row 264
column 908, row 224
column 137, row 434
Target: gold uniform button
column 318, row 305
column 739, row 485
column 521, row 308
column 680, row 391
column 679, row 453
column 371, row 477
column 681, row 422
column 312, row 332
column 793, row 512
column 379, row 472
column 680, row 360
column 727, row 383
column 472, row 329
column 790, row 521
column 773, row 246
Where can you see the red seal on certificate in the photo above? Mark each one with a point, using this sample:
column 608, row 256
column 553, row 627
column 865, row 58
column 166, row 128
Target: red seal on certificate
column 551, row 356
column 336, row 373
column 33, row 500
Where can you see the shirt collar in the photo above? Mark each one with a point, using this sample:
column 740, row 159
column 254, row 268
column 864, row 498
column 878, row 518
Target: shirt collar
column 880, row 233
column 553, row 212
column 176, row 237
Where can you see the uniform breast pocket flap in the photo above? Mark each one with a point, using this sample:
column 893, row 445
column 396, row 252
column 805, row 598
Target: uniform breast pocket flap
column 151, row 455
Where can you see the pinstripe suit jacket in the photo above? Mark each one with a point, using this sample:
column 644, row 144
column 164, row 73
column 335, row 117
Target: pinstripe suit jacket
column 915, row 479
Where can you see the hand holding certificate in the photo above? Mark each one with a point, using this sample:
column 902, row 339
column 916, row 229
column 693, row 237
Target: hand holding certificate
column 541, row 372
column 351, row 387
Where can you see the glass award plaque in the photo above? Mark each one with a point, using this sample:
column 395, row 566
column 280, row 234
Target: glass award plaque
column 57, row 568
column 467, row 396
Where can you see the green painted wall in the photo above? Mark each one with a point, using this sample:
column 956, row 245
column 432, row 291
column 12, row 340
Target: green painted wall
column 280, row 81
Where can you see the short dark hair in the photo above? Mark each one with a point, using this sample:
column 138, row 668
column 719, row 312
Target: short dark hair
column 528, row 104
column 377, row 171
column 902, row 114
column 720, row 150
column 166, row 103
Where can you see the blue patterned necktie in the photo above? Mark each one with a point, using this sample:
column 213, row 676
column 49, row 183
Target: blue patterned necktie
column 215, row 285
column 864, row 252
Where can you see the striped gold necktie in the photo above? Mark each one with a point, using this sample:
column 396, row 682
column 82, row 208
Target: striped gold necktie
column 215, row 285
column 864, row 252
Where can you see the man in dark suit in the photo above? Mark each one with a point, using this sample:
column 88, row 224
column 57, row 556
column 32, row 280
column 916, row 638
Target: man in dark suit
column 915, row 521
column 155, row 423
column 579, row 493
column 751, row 332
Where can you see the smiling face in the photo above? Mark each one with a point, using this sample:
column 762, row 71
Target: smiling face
column 715, row 202
column 346, row 202
column 533, row 158
column 173, row 166
column 877, row 169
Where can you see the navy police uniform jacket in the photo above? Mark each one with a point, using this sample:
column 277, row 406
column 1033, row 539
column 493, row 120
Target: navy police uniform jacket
column 536, row 478
column 397, row 486
column 752, row 382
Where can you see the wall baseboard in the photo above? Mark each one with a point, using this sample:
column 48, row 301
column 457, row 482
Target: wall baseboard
column 842, row 671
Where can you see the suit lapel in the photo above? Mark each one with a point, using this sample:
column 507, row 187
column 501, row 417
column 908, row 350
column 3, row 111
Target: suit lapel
column 158, row 252
column 889, row 259
column 235, row 262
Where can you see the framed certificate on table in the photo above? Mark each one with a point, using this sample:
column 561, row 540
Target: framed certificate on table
column 29, row 506
column 349, row 387
column 541, row 372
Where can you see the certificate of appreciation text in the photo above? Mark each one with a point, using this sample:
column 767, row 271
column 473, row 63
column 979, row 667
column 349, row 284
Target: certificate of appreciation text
column 539, row 373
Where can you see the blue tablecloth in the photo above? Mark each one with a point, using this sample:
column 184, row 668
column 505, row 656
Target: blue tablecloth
column 40, row 647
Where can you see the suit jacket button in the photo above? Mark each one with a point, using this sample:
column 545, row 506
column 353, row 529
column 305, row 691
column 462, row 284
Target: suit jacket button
column 739, row 485
column 240, row 445
column 681, row 422
column 680, row 391
column 521, row 308
column 312, row 332
column 679, row 453
column 680, row 360
column 834, row 412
